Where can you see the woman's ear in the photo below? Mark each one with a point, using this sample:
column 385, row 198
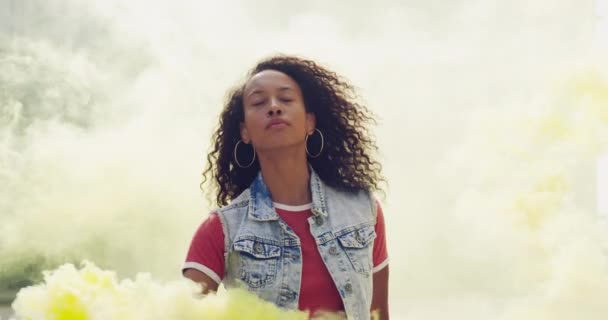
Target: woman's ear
column 311, row 123
column 244, row 133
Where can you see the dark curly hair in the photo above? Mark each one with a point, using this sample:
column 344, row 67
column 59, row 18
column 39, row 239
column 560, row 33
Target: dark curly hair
column 346, row 162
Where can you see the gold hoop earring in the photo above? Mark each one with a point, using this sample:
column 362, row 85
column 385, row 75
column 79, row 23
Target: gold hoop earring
column 322, row 144
column 236, row 159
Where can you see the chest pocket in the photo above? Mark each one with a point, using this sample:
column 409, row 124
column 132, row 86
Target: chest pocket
column 358, row 245
column 258, row 260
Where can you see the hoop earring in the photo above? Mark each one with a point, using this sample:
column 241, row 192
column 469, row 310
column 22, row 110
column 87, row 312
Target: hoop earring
column 322, row 145
column 236, row 159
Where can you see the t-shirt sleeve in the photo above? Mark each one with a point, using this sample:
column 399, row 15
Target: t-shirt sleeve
column 380, row 254
column 206, row 253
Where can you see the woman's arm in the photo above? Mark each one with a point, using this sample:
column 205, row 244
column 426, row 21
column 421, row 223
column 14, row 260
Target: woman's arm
column 380, row 293
column 380, row 271
column 208, row 284
column 205, row 259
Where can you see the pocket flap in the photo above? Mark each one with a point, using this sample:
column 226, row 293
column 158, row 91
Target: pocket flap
column 257, row 247
column 359, row 238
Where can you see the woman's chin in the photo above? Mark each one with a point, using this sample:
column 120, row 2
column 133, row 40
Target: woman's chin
column 278, row 147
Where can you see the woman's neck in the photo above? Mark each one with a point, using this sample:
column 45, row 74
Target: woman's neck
column 287, row 178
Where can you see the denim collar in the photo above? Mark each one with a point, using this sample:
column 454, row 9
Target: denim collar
column 262, row 209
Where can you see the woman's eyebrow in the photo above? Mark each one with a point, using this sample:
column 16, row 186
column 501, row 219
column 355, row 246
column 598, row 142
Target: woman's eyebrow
column 255, row 91
column 281, row 89
column 285, row 88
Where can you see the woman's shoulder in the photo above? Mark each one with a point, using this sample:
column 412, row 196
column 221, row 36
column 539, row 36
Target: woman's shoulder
column 210, row 224
column 360, row 195
column 242, row 200
column 359, row 201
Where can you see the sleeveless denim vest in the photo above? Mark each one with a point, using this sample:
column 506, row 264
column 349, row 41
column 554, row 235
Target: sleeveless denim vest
column 263, row 253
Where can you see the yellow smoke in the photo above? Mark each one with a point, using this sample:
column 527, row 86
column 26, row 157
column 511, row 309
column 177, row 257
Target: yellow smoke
column 70, row 293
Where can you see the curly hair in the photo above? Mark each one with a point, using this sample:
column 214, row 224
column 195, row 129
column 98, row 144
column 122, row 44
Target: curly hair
column 346, row 162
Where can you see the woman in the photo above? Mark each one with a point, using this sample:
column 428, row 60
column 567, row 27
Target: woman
column 297, row 224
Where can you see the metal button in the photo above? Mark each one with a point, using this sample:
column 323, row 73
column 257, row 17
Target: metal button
column 358, row 236
column 287, row 296
column 348, row 288
column 333, row 250
column 257, row 248
column 318, row 220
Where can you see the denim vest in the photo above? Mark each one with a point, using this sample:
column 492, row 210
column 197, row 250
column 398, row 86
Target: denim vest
column 263, row 253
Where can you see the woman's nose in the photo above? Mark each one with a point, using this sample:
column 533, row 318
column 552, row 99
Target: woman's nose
column 274, row 111
column 275, row 107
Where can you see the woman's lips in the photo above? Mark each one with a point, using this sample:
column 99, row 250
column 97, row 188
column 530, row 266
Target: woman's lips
column 276, row 123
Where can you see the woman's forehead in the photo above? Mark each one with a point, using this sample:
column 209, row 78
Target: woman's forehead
column 270, row 80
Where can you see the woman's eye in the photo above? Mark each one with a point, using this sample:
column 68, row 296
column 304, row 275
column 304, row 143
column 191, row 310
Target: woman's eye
column 286, row 100
column 257, row 103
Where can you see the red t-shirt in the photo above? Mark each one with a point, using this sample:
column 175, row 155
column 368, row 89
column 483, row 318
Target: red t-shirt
column 206, row 254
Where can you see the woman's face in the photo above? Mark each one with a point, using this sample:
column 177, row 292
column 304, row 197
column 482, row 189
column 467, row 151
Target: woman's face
column 275, row 115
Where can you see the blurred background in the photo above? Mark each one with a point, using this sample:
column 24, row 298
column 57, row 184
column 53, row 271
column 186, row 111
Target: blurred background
column 493, row 118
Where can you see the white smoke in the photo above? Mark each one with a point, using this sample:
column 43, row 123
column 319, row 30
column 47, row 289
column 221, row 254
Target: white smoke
column 487, row 139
